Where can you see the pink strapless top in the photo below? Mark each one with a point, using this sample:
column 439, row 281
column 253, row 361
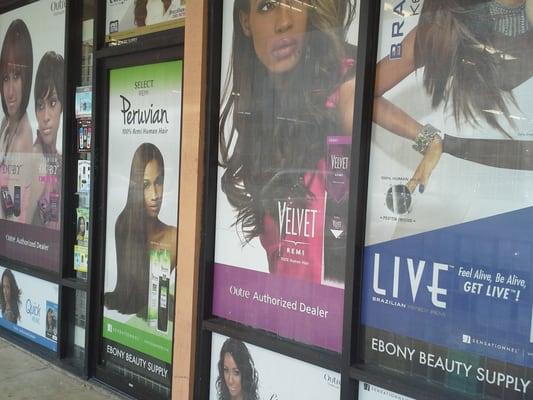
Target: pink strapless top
column 294, row 239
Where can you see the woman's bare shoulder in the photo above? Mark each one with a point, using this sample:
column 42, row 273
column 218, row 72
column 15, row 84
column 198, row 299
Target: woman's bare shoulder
column 346, row 105
column 170, row 233
column 22, row 142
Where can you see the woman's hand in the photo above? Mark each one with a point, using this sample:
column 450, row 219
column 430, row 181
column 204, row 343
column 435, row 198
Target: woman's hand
column 426, row 166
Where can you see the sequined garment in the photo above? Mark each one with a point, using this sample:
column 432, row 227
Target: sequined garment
column 510, row 21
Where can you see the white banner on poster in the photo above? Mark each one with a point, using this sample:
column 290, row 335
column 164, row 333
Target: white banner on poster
column 29, row 307
column 265, row 374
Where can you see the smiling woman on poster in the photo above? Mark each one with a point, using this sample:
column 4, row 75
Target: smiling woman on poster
column 292, row 85
column 10, row 297
column 49, row 95
column 474, row 53
column 237, row 377
column 139, row 231
column 16, row 67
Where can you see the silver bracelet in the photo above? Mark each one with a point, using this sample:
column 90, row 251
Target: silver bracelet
column 425, row 137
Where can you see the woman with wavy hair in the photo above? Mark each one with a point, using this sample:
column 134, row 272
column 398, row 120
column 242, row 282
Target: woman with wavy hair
column 290, row 85
column 474, row 53
column 139, row 230
column 237, row 377
column 10, row 297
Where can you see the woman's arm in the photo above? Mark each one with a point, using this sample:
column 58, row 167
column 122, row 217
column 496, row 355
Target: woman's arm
column 389, row 116
column 503, row 153
column 389, row 73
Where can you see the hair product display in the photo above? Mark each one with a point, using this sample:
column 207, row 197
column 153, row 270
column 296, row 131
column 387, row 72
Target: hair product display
column 54, row 206
column 337, row 186
column 162, row 309
column 84, row 175
column 398, row 199
column 16, row 209
column 158, row 294
column 7, row 201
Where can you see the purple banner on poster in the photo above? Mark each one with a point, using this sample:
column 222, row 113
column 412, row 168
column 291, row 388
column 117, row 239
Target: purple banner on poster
column 30, row 244
column 304, row 311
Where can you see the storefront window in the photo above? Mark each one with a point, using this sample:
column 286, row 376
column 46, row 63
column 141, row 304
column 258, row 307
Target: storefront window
column 142, row 212
column 31, row 133
column 288, row 74
column 447, row 263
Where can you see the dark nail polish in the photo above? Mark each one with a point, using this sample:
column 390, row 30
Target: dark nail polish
column 421, row 188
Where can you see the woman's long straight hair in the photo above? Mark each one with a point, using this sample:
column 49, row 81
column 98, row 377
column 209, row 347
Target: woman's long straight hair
column 269, row 137
column 131, row 238
column 455, row 45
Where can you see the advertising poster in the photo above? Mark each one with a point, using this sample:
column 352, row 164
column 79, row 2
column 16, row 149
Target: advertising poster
column 142, row 214
column 28, row 307
column 285, row 140
column 130, row 18
column 447, row 264
column 371, row 392
column 241, row 369
column 31, row 131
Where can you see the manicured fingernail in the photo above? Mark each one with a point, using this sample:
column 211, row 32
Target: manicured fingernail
column 421, row 188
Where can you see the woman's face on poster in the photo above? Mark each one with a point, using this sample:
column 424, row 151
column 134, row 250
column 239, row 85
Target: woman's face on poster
column 232, row 377
column 277, row 30
column 6, row 289
column 12, row 90
column 48, row 111
column 81, row 226
column 153, row 188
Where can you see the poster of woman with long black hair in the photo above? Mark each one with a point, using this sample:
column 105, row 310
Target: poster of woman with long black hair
column 288, row 74
column 142, row 212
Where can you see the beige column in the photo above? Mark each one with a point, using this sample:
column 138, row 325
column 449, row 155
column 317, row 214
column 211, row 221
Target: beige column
column 190, row 202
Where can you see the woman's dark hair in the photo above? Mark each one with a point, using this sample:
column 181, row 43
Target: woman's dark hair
column 81, row 222
column 269, row 138
column 140, row 11
column 14, row 300
column 50, row 76
column 17, row 56
column 50, row 325
column 249, row 376
column 455, row 43
column 131, row 238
